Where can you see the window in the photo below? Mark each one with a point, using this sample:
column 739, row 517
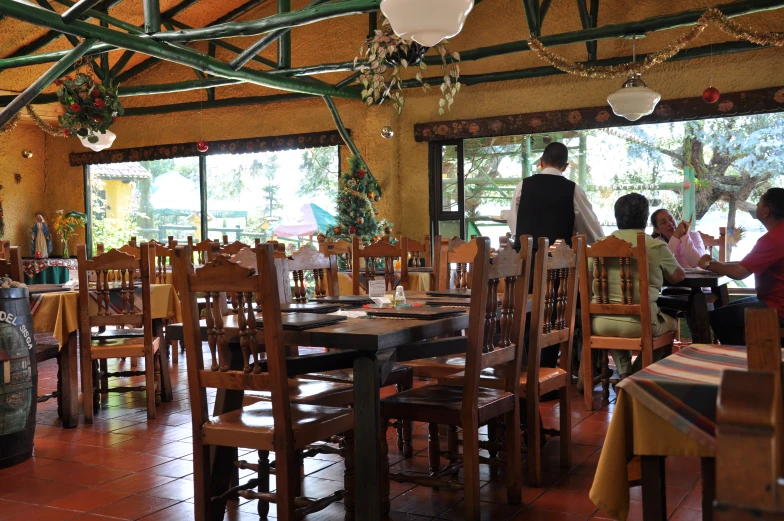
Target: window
column 713, row 169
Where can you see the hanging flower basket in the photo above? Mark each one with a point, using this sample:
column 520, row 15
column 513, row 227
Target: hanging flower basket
column 90, row 108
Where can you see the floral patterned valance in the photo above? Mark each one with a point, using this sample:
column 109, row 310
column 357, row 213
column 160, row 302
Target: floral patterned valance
column 732, row 104
column 229, row 146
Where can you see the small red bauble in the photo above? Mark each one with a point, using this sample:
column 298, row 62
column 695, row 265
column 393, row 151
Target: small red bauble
column 687, row 185
column 95, row 93
column 352, row 230
column 202, row 146
column 75, row 107
column 361, row 174
column 100, row 103
column 67, row 133
column 710, row 95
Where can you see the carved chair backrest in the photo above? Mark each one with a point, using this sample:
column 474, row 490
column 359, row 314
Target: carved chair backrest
column 161, row 258
column 246, row 257
column 719, row 243
column 597, row 289
column 115, row 274
column 11, row 264
column 342, row 249
column 5, row 247
column 203, row 251
column 482, row 352
column 231, row 249
column 383, row 251
column 323, row 267
column 460, row 254
column 213, row 280
column 554, row 301
column 419, row 253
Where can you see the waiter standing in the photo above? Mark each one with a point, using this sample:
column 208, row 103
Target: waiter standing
column 550, row 205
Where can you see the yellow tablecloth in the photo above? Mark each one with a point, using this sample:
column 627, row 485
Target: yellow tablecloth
column 634, row 431
column 59, row 312
column 417, row 281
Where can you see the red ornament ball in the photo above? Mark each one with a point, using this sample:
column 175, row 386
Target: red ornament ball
column 687, row 185
column 202, row 146
column 67, row 133
column 377, row 198
column 710, row 95
column 352, row 230
column 361, row 174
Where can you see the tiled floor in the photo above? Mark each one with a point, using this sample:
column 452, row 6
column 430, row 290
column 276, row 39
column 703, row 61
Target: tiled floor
column 125, row 467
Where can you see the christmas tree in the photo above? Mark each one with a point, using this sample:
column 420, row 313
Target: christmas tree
column 358, row 191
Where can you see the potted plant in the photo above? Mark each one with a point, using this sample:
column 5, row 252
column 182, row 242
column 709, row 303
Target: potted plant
column 385, row 53
column 90, row 109
column 66, row 224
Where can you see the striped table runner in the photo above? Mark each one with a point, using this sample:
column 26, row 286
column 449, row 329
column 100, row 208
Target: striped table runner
column 682, row 388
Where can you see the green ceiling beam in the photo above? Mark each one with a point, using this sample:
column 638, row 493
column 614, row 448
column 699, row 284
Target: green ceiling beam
column 284, row 41
column 121, row 62
column 333, row 110
column 79, row 9
column 589, row 19
column 152, row 16
column 181, row 55
column 217, row 104
column 54, row 72
column 271, row 23
column 74, row 41
column 255, row 48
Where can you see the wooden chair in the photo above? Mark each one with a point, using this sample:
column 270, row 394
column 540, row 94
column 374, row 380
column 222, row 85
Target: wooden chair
column 418, row 253
column 324, row 269
column 5, row 249
column 720, row 243
column 232, row 248
column 603, row 253
column 94, row 349
column 11, row 264
column 342, row 249
column 470, row 405
column 370, row 253
column 203, row 251
column 552, row 323
column 276, row 425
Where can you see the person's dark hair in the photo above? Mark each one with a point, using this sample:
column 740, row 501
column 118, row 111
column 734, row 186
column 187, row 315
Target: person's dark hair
column 654, row 215
column 631, row 212
column 555, row 155
column 774, row 201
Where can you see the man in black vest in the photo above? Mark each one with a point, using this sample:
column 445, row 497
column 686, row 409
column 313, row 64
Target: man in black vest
column 550, row 205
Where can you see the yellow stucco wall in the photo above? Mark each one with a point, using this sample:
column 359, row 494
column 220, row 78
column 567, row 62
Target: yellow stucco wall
column 400, row 163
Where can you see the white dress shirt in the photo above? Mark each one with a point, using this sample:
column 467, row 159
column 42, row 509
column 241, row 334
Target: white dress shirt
column 585, row 220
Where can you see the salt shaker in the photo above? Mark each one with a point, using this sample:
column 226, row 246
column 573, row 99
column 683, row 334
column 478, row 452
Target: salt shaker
column 400, row 297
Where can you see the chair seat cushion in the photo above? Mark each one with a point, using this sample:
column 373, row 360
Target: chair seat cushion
column 437, row 367
column 120, row 333
column 253, row 426
column 550, row 378
column 443, row 404
column 120, row 347
column 307, row 391
column 400, row 374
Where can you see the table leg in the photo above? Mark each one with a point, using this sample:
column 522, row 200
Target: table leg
column 698, row 311
column 367, row 418
column 708, row 468
column 166, row 388
column 723, row 295
column 654, row 498
column 69, row 384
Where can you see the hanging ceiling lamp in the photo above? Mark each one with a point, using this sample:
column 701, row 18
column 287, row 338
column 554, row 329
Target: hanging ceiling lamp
column 634, row 100
column 427, row 22
column 105, row 140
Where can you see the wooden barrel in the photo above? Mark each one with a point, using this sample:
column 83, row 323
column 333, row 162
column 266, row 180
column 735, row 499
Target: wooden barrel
column 18, row 377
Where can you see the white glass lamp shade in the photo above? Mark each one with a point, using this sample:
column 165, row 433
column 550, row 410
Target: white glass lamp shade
column 105, row 140
column 427, row 22
column 634, row 100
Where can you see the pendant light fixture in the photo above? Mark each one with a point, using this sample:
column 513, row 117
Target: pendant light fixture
column 426, row 22
column 105, row 140
column 634, row 100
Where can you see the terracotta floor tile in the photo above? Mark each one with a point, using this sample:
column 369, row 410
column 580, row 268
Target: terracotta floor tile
column 133, row 461
column 403, row 516
column 693, row 500
column 26, row 466
column 136, row 483
column 135, row 507
column 488, row 512
column 43, row 514
column 36, row 491
column 684, row 514
column 566, row 502
column 179, row 489
column 104, row 439
column 91, row 517
column 179, row 512
column 530, row 514
column 175, row 449
column 88, row 500
column 426, row 501
column 11, row 508
column 174, row 469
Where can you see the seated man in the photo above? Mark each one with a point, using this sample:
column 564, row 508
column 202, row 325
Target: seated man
column 631, row 215
column 765, row 261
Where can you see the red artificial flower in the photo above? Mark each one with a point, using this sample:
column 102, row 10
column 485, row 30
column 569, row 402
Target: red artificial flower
column 75, row 107
column 67, row 133
column 100, row 103
column 361, row 174
column 97, row 119
column 69, row 78
column 58, row 82
column 114, row 119
column 95, row 93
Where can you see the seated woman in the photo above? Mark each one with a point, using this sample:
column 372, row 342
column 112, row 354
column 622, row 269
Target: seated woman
column 685, row 244
column 631, row 215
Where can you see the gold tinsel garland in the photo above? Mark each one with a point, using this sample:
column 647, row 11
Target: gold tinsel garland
column 43, row 125
column 711, row 16
column 11, row 125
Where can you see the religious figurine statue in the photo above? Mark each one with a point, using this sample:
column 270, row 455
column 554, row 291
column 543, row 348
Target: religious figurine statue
column 40, row 238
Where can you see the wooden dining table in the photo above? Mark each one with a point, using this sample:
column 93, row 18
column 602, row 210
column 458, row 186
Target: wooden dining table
column 371, row 347
column 667, row 409
column 696, row 304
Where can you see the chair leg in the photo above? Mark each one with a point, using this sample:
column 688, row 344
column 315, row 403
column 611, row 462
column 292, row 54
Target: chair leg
column 586, row 363
column 59, row 388
column 471, row 471
column 87, row 382
column 175, row 352
column 287, row 473
column 166, row 386
column 149, row 375
column 514, row 472
column 158, row 383
column 492, row 436
column 203, row 504
column 103, row 382
column 452, row 444
column 533, row 437
column 606, row 374
column 405, row 434
column 262, row 507
column 349, row 501
column 433, row 448
column 134, row 362
column 96, row 395
column 566, row 427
